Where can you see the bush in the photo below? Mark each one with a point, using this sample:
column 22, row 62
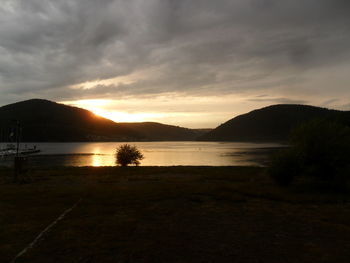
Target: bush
column 319, row 149
column 284, row 167
column 127, row 154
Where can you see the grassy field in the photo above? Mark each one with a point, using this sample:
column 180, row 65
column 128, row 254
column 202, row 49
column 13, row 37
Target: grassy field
column 170, row 214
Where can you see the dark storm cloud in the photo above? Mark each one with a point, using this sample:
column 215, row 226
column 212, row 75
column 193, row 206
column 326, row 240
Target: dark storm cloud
column 201, row 47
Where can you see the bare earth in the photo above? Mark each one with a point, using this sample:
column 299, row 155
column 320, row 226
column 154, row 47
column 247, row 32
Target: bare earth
column 170, row 214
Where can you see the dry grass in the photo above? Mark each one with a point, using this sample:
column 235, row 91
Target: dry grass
column 170, row 214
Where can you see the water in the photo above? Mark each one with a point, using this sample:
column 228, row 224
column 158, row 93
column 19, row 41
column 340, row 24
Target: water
column 155, row 153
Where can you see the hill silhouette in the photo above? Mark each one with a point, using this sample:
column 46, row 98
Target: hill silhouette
column 46, row 121
column 272, row 123
column 154, row 131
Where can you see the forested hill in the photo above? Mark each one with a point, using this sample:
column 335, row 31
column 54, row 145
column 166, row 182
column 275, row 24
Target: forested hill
column 272, row 123
column 47, row 121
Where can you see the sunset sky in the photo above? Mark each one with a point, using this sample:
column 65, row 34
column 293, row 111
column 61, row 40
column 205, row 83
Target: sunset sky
column 191, row 63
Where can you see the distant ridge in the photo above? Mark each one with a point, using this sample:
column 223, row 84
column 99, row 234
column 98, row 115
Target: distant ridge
column 160, row 132
column 272, row 123
column 47, row 121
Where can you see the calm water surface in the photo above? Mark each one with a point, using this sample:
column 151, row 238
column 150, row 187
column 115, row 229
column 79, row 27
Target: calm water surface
column 156, row 153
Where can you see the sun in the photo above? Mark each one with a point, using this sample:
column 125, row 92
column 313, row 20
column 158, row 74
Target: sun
column 104, row 108
column 118, row 116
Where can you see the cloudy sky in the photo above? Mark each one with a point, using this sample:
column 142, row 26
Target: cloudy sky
column 193, row 63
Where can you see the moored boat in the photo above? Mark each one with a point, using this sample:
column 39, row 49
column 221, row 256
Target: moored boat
column 10, row 150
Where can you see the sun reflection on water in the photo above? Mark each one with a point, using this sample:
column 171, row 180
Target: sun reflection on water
column 96, row 160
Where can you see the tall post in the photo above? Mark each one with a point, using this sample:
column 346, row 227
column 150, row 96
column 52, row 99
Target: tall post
column 17, row 161
column 1, row 139
column 17, row 137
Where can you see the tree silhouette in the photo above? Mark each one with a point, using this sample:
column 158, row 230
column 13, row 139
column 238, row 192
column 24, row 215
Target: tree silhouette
column 127, row 154
column 319, row 149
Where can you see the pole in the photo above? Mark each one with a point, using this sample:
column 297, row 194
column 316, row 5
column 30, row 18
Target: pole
column 18, row 137
column 17, row 162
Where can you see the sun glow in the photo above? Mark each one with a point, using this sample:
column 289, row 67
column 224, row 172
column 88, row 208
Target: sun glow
column 119, row 116
column 101, row 108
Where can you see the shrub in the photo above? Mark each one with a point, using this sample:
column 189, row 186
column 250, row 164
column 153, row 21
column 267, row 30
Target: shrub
column 319, row 149
column 127, row 154
column 284, row 167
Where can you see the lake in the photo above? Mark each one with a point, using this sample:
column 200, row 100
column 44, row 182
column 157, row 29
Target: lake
column 156, row 153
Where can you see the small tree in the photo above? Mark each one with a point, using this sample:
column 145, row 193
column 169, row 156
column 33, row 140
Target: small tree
column 127, row 154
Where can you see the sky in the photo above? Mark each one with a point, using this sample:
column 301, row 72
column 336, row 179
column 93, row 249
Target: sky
column 191, row 63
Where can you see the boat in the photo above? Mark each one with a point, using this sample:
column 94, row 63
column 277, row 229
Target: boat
column 13, row 148
column 29, row 151
column 5, row 153
column 10, row 150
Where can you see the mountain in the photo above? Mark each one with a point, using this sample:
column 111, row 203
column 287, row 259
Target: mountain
column 47, row 121
column 154, row 131
column 272, row 123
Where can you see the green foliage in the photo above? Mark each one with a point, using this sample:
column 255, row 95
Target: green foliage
column 319, row 149
column 127, row 154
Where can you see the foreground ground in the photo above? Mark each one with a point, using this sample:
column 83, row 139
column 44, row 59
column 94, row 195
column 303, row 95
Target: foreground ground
column 170, row 214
